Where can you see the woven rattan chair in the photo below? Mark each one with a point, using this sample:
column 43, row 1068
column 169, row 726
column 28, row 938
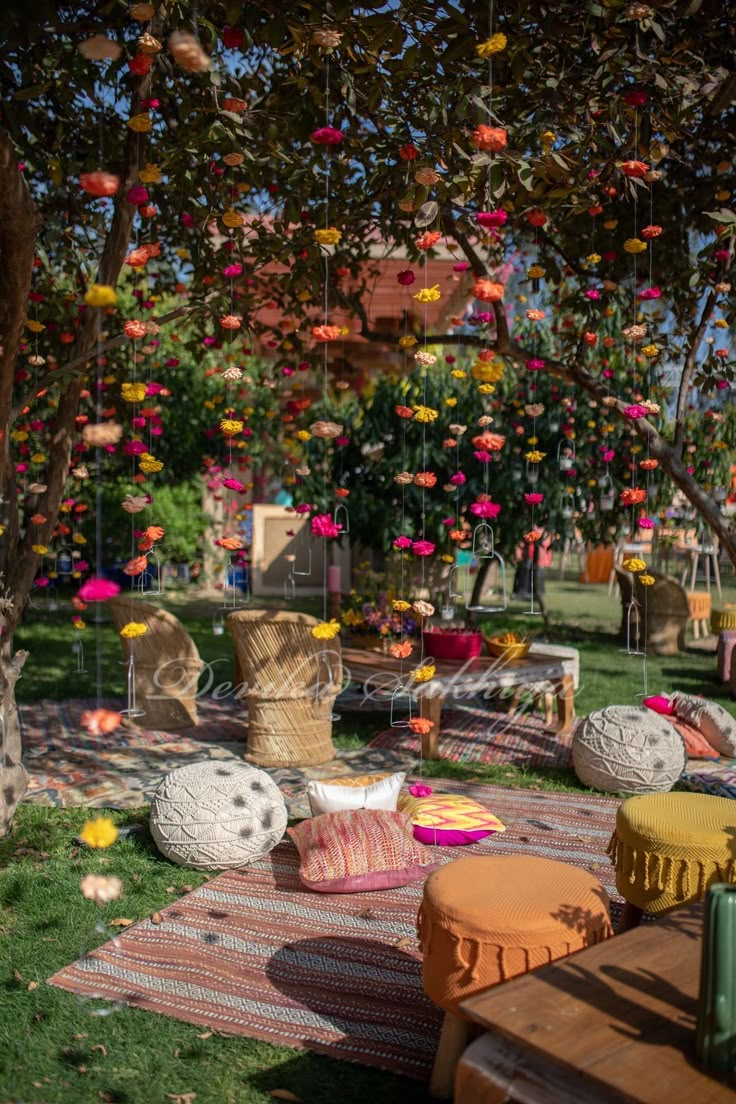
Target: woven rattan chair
column 659, row 617
column 290, row 682
column 167, row 664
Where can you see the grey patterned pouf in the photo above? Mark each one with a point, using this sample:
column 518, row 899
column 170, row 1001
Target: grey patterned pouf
column 214, row 815
column 624, row 749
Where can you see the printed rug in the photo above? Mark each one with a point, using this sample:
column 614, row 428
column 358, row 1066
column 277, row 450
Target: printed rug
column 716, row 777
column 254, row 953
column 475, row 732
column 121, row 770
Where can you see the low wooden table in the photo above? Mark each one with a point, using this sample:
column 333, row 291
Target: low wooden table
column 611, row 1024
column 456, row 679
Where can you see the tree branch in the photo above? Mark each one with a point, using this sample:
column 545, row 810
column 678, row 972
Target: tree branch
column 688, row 369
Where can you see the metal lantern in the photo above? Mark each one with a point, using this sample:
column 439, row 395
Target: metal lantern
column 485, row 553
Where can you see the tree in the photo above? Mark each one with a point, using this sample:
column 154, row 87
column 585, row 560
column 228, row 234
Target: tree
column 222, row 184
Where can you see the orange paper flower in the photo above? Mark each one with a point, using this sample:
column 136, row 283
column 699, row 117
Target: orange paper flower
column 421, row 725
column 154, row 533
column 489, row 139
column 136, row 566
column 488, row 291
column 401, row 651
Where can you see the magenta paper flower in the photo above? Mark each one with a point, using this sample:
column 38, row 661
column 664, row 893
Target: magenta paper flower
column 649, row 293
column 607, row 456
column 327, row 136
column 636, row 410
column 533, row 498
column 449, row 522
column 230, row 272
column 98, row 590
column 485, row 509
column 419, row 790
column 457, row 479
column 482, row 456
column 302, row 508
column 233, row 484
column 491, row 218
column 593, row 294
column 535, row 364
column 646, row 523
column 422, row 548
column 405, row 277
column 324, row 526
column 402, row 542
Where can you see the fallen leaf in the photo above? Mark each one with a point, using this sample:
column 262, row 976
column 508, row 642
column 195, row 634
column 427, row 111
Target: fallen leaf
column 32, row 985
column 135, row 877
column 366, row 914
column 185, row 889
column 157, row 918
column 18, row 975
column 37, row 1084
column 205, row 1035
column 284, row 1094
column 182, row 1098
column 170, row 889
column 121, row 922
column 82, row 1069
column 104, row 1095
column 101, row 1048
column 404, row 942
column 82, row 1036
column 38, row 1017
column 175, row 1053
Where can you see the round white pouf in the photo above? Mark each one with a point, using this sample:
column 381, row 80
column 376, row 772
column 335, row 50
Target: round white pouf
column 215, row 815
column 624, row 749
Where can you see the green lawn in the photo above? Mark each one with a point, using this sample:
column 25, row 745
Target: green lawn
column 53, row 1050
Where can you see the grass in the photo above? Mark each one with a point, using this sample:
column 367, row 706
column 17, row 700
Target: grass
column 53, row 1050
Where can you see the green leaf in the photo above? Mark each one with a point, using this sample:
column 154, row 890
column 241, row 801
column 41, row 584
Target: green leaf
column 33, row 91
column 723, row 215
column 525, row 176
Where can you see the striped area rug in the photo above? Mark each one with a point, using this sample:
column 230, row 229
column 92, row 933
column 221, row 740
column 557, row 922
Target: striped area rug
column 477, row 733
column 254, row 953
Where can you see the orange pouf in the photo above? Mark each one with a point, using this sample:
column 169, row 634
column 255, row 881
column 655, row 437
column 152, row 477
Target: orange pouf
column 484, row 920
column 598, row 564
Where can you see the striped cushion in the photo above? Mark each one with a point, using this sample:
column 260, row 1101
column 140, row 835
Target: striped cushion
column 450, row 820
column 359, row 850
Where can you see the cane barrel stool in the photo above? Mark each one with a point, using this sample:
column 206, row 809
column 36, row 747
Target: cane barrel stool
column 486, row 919
column 668, row 848
column 700, row 610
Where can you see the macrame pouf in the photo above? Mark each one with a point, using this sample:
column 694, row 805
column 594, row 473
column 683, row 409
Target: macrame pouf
column 215, row 815
column 623, row 749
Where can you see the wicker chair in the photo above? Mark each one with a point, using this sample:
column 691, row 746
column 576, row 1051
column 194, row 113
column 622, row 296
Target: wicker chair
column 291, row 681
column 167, row 664
column 661, row 614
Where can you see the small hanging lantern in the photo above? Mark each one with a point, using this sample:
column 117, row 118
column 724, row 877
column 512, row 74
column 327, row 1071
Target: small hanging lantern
column 566, row 455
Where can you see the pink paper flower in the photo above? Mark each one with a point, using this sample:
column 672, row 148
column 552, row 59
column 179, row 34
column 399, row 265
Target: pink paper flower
column 402, row 542
column 491, row 218
column 649, row 293
column 457, row 479
column 97, row 590
column 233, row 484
column 405, row 277
column 636, row 410
column 482, row 456
column 324, row 526
column 485, row 509
column 420, row 790
column 535, row 364
column 533, row 498
column 422, row 548
column 646, row 523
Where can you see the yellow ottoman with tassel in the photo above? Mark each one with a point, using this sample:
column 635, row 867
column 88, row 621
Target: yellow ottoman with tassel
column 669, row 847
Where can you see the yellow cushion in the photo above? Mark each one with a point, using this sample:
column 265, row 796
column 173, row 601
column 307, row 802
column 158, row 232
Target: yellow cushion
column 449, row 812
column 361, row 780
column 484, row 920
column 669, row 847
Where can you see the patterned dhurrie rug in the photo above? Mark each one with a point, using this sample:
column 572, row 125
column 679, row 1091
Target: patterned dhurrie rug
column 716, row 777
column 122, row 769
column 475, row 732
column 254, row 953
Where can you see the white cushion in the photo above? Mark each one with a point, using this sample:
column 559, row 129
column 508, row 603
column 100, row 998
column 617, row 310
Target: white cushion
column 326, row 798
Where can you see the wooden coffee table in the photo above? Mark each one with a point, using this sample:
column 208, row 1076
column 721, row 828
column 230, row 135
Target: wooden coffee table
column 455, row 680
column 613, row 1024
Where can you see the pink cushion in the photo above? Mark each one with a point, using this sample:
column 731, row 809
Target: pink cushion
column 360, row 850
column 660, row 704
column 447, row 837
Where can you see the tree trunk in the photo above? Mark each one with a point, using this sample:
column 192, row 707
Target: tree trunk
column 13, row 775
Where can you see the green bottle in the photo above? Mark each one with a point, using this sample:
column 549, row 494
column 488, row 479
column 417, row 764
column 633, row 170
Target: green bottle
column 716, row 1028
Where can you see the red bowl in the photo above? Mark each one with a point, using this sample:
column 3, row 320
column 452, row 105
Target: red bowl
column 452, row 645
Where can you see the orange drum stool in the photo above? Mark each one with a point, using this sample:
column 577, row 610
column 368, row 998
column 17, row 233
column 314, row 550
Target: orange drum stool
column 486, row 919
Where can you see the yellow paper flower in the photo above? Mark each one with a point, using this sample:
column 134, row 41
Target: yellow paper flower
column 330, row 236
column 452, row 401
column 231, row 427
column 150, row 175
column 232, row 218
column 424, row 673
column 78, row 624
column 141, row 124
column 493, row 45
column 303, row 435
column 547, row 140
column 535, row 272
column 400, row 606
column 149, row 464
column 133, row 392
column 647, row 580
column 407, row 341
column 593, row 258
column 535, row 456
column 488, row 371
column 634, row 245
column 100, row 295
column 429, row 295
column 650, row 350
column 79, row 538
column 458, row 373
column 100, row 832
column 133, row 629
column 39, row 549
column 424, row 414
column 38, row 457
column 34, row 326
column 486, row 388
column 634, row 565
column 326, row 630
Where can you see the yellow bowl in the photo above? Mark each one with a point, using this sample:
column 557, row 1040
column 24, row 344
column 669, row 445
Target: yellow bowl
column 505, row 651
